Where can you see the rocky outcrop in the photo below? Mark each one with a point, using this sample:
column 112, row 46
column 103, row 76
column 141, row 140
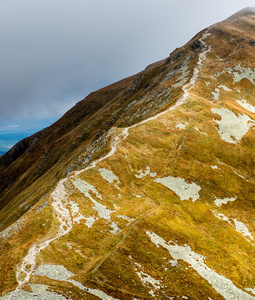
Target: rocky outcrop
column 197, row 45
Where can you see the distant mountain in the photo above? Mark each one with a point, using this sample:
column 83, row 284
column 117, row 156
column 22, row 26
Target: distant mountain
column 10, row 138
column 146, row 188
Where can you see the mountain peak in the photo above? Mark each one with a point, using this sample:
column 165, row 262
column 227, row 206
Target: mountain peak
column 243, row 12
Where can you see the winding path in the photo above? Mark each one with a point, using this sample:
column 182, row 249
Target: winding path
column 59, row 195
column 28, row 265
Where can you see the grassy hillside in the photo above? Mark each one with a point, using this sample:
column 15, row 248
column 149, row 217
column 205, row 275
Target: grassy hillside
column 110, row 206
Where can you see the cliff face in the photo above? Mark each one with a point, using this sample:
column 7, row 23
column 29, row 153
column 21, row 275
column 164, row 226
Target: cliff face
column 144, row 189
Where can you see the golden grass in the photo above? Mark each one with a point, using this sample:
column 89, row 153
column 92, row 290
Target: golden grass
column 108, row 261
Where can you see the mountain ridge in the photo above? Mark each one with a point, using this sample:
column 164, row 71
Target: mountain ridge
column 159, row 206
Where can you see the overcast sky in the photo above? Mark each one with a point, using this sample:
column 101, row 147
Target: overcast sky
column 55, row 52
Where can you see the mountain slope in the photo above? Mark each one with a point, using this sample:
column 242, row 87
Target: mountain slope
column 147, row 187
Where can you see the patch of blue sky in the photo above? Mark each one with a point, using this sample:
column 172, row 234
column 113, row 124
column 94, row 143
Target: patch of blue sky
column 11, row 133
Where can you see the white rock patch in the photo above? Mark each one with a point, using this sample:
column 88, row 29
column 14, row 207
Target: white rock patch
column 173, row 263
column 222, row 217
column 225, row 88
column 240, row 175
column 220, row 283
column 77, row 216
column 145, row 173
column 108, row 175
column 80, row 253
column 5, row 232
column 216, row 93
column 38, row 288
column 239, row 226
column 56, row 272
column 201, row 132
column 251, row 290
column 231, row 127
column 102, row 211
column 39, row 292
column 181, row 126
column 147, row 280
column 214, row 167
column 115, row 228
column 84, row 187
column 240, row 73
column 90, row 221
column 216, row 75
column 126, row 218
column 95, row 292
column 59, row 272
column 219, row 202
column 180, row 187
column 246, row 105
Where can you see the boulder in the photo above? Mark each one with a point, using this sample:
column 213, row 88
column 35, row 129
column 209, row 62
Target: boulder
column 197, row 44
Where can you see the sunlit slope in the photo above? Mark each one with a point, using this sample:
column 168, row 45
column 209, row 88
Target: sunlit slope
column 167, row 211
column 80, row 136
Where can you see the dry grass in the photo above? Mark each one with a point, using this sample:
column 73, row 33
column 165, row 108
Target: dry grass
column 108, row 261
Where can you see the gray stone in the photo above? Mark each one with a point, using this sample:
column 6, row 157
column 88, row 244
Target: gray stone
column 197, row 44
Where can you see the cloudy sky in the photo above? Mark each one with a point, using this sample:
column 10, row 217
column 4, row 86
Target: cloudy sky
column 55, row 52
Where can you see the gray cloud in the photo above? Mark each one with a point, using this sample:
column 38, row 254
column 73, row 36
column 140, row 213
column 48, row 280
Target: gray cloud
column 55, row 52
